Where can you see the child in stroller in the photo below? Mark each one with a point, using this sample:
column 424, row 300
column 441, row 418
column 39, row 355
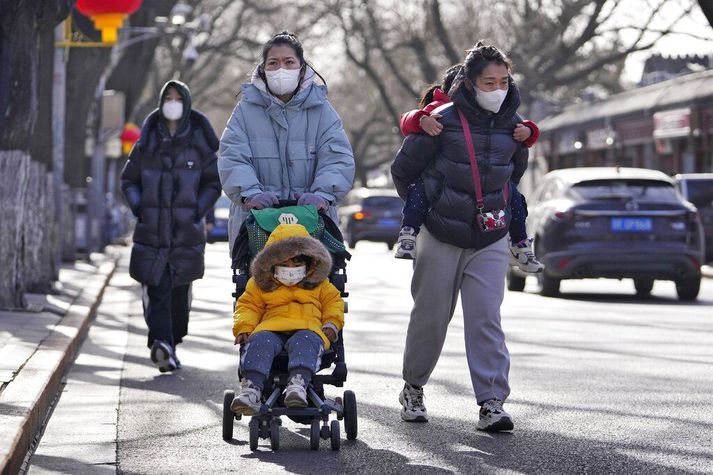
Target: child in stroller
column 289, row 305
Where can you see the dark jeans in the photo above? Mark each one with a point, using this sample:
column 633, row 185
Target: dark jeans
column 304, row 351
column 416, row 207
column 166, row 309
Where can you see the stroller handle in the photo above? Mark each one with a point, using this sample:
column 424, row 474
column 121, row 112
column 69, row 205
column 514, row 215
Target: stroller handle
column 283, row 203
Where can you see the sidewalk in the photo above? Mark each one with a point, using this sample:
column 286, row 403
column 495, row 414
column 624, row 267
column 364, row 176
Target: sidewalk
column 38, row 346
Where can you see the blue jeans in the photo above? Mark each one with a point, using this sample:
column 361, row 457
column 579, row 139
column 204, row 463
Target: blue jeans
column 416, row 207
column 304, row 352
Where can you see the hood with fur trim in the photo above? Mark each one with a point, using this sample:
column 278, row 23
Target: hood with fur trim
column 285, row 242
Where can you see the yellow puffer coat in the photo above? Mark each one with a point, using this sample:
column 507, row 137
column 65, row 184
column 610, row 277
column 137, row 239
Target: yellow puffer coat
column 268, row 305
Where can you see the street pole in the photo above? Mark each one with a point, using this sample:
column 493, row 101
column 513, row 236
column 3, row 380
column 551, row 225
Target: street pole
column 96, row 201
column 59, row 90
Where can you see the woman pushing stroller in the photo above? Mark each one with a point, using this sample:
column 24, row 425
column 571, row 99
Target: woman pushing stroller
column 288, row 304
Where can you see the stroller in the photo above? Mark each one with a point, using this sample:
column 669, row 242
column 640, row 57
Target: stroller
column 250, row 240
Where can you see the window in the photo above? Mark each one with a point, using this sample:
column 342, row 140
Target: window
column 620, row 189
column 700, row 192
column 383, row 202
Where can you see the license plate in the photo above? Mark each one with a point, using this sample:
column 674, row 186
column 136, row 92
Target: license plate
column 631, row 225
column 388, row 222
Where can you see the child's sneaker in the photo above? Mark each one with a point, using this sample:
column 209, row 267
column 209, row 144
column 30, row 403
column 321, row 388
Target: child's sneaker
column 406, row 247
column 493, row 417
column 163, row 357
column 248, row 401
column 411, row 398
column 522, row 256
column 296, row 392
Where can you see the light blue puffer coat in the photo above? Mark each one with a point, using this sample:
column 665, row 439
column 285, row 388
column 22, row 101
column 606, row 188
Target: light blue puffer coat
column 288, row 148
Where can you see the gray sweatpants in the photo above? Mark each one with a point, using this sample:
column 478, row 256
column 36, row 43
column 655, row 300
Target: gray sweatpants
column 441, row 271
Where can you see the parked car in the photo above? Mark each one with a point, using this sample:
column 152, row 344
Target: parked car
column 217, row 220
column 613, row 223
column 698, row 189
column 369, row 214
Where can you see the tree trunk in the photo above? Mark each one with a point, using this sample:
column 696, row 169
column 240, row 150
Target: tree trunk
column 22, row 25
column 38, row 234
column 84, row 68
column 14, row 172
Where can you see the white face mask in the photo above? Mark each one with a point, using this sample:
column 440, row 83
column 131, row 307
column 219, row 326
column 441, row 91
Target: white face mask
column 172, row 110
column 290, row 275
column 283, row 81
column 491, row 101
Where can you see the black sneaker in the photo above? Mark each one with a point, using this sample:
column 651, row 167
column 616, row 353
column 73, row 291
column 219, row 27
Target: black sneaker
column 163, row 357
column 493, row 417
column 411, row 398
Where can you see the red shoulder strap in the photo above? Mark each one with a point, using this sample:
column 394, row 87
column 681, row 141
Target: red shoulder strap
column 473, row 163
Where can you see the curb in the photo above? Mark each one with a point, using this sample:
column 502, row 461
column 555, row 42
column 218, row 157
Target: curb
column 31, row 393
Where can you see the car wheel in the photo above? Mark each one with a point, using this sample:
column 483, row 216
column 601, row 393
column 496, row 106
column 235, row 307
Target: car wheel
column 352, row 243
column 390, row 245
column 687, row 289
column 515, row 282
column 549, row 286
column 643, row 286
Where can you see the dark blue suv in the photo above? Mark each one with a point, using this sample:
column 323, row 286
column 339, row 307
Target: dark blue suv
column 614, row 223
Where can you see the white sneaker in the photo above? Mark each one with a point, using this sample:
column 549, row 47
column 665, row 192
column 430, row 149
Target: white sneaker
column 411, row 398
column 406, row 245
column 248, row 401
column 493, row 417
column 296, row 392
column 522, row 256
column 163, row 356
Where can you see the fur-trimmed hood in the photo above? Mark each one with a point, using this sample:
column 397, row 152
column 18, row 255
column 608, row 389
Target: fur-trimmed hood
column 285, row 242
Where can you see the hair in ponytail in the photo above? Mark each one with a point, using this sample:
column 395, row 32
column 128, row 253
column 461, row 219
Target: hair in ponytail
column 446, row 81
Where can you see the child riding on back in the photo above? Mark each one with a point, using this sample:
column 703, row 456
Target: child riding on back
column 415, row 208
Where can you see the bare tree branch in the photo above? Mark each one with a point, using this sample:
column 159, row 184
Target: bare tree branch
column 442, row 33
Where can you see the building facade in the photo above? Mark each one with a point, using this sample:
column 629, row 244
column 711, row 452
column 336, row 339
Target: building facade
column 666, row 126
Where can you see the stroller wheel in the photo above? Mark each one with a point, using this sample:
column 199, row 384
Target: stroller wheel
column 254, row 426
column 334, row 435
column 228, row 415
column 314, row 435
column 275, row 434
column 350, row 415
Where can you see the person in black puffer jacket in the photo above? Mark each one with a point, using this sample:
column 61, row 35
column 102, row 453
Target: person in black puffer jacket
column 454, row 255
column 170, row 182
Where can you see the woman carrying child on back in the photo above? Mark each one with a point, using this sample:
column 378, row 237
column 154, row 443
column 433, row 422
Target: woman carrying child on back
column 288, row 303
column 425, row 119
column 462, row 247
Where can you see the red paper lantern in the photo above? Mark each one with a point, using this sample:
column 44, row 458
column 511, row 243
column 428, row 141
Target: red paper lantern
column 108, row 15
column 129, row 136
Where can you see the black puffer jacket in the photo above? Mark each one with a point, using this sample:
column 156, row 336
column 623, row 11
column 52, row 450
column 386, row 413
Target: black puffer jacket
column 170, row 183
column 443, row 163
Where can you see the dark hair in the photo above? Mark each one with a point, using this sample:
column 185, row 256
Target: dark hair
column 284, row 38
column 291, row 40
column 444, row 85
column 480, row 56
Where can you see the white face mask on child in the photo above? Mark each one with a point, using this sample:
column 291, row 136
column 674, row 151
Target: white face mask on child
column 290, row 275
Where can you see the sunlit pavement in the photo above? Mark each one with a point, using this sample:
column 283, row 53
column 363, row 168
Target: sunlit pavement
column 601, row 382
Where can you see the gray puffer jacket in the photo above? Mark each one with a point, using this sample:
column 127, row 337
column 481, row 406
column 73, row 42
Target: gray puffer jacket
column 443, row 164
